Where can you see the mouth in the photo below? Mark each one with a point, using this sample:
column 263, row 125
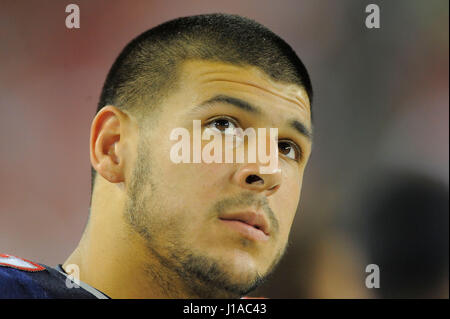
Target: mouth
column 251, row 225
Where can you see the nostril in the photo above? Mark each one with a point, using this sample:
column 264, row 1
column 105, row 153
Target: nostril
column 254, row 179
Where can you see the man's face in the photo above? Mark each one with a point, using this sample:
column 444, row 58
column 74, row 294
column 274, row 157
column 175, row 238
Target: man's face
column 187, row 212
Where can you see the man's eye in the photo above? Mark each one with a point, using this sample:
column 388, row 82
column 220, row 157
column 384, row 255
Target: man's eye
column 223, row 125
column 289, row 149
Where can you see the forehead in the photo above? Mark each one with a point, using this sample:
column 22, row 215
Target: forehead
column 201, row 80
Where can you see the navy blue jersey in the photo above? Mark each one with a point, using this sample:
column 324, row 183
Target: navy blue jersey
column 24, row 279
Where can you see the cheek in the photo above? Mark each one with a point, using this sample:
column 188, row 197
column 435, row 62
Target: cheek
column 201, row 178
column 191, row 186
column 187, row 177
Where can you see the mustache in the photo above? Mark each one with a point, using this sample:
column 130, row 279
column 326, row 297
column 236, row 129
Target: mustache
column 244, row 200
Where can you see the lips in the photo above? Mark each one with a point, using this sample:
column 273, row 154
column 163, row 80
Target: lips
column 252, row 223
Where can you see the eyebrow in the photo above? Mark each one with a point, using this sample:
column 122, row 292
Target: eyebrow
column 243, row 105
column 301, row 128
column 247, row 107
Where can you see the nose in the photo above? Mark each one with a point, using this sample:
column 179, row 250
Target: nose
column 251, row 176
column 248, row 176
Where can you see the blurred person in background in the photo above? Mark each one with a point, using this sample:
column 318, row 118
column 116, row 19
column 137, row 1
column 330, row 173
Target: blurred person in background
column 404, row 229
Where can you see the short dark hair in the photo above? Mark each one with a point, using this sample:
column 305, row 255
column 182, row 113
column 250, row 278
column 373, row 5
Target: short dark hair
column 146, row 69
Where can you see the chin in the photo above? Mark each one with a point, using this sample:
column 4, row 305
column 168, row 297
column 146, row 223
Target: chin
column 241, row 271
column 224, row 276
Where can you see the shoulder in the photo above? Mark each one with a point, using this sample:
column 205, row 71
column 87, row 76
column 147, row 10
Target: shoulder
column 21, row 278
column 15, row 281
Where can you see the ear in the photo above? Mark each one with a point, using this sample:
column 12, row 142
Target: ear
column 106, row 144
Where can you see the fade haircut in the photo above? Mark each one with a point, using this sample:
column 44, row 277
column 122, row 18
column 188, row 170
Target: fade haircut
column 148, row 66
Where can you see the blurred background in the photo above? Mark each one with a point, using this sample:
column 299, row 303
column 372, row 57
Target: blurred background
column 375, row 190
